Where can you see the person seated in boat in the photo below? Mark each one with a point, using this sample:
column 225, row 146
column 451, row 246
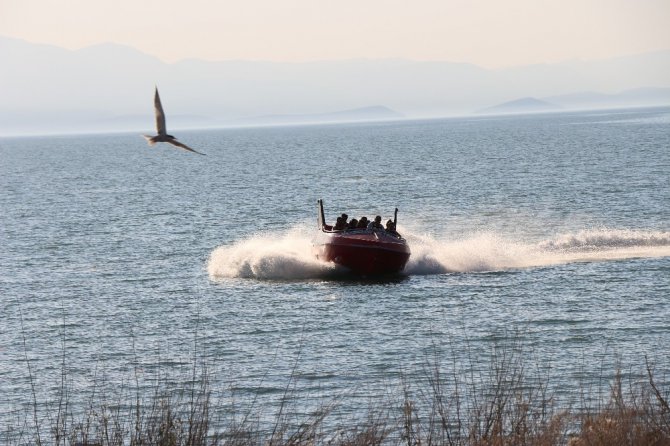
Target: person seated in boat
column 376, row 224
column 353, row 224
column 390, row 226
column 363, row 222
column 339, row 224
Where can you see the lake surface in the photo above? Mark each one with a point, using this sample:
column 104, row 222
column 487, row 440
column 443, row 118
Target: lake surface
column 123, row 260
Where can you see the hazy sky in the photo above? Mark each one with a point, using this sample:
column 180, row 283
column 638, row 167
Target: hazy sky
column 489, row 33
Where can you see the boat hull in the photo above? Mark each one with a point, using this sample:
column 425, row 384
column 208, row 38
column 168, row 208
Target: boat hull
column 364, row 252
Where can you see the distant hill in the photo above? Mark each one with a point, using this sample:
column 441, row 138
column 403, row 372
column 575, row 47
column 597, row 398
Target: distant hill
column 523, row 105
column 587, row 100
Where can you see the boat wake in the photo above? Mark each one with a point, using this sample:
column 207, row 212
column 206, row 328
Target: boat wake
column 487, row 251
column 289, row 255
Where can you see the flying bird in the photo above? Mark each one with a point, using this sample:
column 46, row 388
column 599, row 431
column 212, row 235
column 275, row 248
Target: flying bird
column 161, row 130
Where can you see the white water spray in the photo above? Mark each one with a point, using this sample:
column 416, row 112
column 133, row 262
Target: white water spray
column 289, row 255
column 269, row 256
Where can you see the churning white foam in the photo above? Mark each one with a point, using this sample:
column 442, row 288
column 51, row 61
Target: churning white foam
column 268, row 256
column 489, row 251
column 290, row 256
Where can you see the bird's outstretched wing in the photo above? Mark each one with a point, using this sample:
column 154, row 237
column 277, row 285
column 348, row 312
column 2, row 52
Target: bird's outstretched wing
column 160, row 116
column 174, row 142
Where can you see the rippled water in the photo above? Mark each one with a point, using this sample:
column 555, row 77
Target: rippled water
column 117, row 257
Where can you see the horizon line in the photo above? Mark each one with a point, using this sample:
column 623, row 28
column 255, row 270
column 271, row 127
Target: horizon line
column 241, row 126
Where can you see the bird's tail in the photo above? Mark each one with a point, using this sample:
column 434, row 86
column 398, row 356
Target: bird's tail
column 150, row 139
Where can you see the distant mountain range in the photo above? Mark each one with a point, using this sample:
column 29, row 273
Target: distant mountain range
column 48, row 89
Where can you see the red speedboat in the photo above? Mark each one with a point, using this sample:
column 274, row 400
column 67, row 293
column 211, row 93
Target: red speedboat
column 364, row 251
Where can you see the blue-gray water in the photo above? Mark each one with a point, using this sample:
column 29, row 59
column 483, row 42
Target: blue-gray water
column 117, row 258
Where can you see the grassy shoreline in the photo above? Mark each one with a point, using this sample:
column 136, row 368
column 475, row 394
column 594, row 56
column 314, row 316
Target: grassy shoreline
column 508, row 402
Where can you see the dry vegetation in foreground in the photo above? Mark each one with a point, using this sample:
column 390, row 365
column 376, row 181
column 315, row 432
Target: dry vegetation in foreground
column 502, row 405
